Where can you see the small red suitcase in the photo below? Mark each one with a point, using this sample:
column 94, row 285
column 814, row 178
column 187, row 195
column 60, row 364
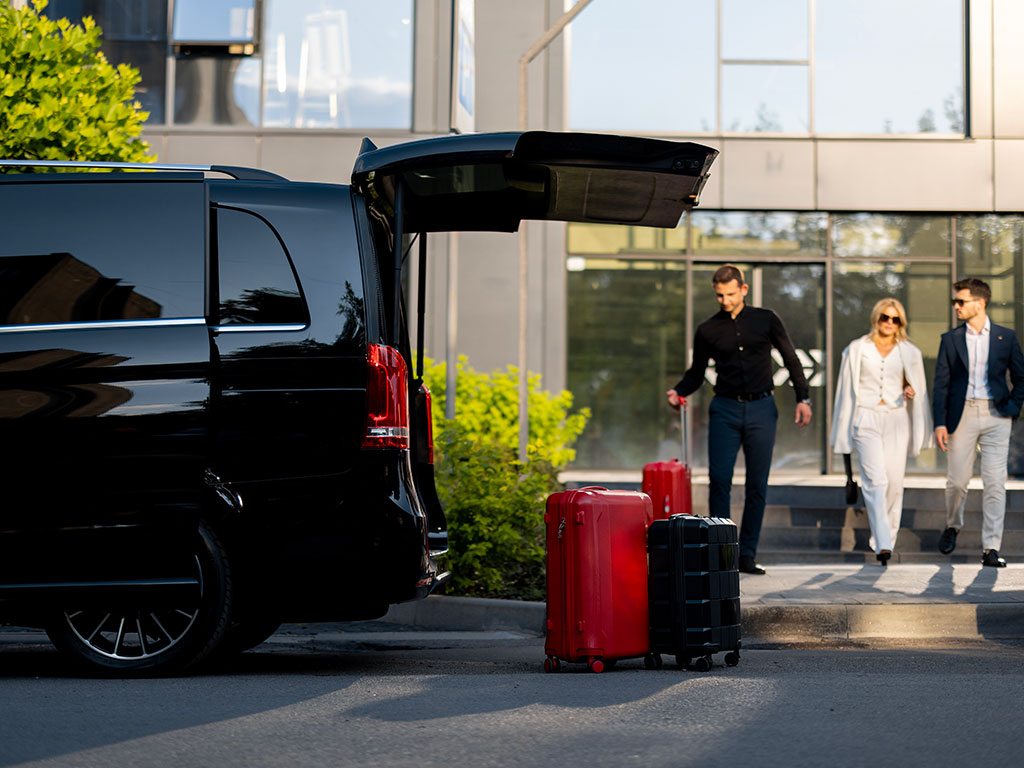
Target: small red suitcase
column 597, row 577
column 668, row 483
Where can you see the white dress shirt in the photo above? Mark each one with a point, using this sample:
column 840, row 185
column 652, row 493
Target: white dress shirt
column 977, row 357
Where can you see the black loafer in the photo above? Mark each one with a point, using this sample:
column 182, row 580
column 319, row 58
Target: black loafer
column 947, row 541
column 989, row 557
column 747, row 565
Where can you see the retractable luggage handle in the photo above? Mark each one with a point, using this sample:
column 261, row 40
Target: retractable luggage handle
column 684, row 433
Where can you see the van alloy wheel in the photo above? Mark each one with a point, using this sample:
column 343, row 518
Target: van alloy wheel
column 151, row 640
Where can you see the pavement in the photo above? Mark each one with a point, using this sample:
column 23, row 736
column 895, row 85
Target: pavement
column 806, row 604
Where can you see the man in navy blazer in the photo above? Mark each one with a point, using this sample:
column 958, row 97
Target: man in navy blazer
column 972, row 405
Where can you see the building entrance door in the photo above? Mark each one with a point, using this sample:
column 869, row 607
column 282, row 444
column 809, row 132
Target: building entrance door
column 796, row 292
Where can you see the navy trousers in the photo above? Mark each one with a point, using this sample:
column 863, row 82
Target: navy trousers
column 732, row 424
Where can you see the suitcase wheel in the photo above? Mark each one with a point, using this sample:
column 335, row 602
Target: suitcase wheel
column 596, row 665
column 732, row 658
column 552, row 664
column 652, row 661
column 703, row 664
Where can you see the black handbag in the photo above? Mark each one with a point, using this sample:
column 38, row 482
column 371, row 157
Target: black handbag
column 852, row 491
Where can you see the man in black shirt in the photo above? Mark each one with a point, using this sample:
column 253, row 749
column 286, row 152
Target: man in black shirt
column 742, row 413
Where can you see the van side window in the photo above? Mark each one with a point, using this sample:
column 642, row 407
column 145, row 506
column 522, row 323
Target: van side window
column 257, row 283
column 89, row 252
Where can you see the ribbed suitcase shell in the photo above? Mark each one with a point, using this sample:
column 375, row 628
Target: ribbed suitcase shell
column 669, row 486
column 597, row 576
column 694, row 588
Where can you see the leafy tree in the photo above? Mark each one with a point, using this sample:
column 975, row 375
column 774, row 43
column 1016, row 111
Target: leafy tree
column 60, row 99
column 495, row 504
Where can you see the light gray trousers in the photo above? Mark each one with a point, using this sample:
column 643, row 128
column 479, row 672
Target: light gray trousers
column 981, row 425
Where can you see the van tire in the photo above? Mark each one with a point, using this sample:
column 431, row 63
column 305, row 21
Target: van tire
column 143, row 641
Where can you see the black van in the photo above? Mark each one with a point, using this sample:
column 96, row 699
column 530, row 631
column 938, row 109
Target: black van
column 210, row 413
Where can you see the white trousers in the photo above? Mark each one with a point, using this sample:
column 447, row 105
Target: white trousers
column 981, row 425
column 880, row 438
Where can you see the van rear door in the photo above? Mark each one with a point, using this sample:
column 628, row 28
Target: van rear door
column 491, row 182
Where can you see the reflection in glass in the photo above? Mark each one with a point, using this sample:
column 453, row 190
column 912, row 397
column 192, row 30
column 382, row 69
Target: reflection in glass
column 885, row 67
column 626, row 348
column 765, row 98
column 257, row 284
column 114, row 247
column 891, row 236
column 767, row 234
column 220, row 21
column 990, row 248
column 217, row 90
column 338, row 64
column 653, row 59
column 613, row 239
column 754, row 29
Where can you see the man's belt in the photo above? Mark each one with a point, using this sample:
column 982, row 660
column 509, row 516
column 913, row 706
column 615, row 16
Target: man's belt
column 749, row 397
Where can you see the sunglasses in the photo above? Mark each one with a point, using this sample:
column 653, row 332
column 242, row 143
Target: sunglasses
column 894, row 319
column 961, row 302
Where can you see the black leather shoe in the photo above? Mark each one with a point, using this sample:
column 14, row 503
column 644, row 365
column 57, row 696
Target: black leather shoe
column 947, row 541
column 989, row 557
column 747, row 565
column 883, row 557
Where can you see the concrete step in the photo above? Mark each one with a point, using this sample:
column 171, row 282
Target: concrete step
column 849, row 539
column 855, row 517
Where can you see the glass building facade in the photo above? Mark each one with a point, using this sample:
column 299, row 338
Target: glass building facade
column 636, row 297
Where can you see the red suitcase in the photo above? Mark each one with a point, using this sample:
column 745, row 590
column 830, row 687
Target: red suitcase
column 668, row 483
column 597, row 577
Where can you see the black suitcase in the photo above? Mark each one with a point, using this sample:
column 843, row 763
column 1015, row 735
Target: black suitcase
column 694, row 590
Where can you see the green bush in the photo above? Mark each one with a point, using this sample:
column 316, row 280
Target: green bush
column 59, row 97
column 494, row 503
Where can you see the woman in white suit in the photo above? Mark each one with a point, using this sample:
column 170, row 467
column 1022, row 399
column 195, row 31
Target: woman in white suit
column 881, row 412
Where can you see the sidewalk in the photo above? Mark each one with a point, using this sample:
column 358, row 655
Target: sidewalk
column 808, row 603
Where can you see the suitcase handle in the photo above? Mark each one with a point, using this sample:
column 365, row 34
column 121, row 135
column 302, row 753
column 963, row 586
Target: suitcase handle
column 684, row 433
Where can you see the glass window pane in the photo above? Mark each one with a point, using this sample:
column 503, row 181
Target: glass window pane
column 879, row 69
column 643, row 65
column 217, row 90
column 613, row 239
column 114, row 252
column 220, row 21
column 257, row 284
column 923, row 289
column 338, row 64
column 134, row 32
column 991, row 248
column 754, row 29
column 740, row 235
column 626, row 348
column 765, row 98
column 893, row 237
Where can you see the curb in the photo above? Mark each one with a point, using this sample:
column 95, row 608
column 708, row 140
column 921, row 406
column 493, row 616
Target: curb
column 761, row 623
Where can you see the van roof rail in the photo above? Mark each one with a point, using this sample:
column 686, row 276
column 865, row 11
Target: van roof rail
column 237, row 172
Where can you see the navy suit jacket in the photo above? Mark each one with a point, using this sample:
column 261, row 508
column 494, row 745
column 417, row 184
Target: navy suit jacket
column 949, row 391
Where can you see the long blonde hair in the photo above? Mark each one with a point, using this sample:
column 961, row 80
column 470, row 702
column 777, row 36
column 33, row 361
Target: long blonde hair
column 876, row 312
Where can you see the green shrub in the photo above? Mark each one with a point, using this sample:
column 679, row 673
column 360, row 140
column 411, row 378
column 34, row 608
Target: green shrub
column 60, row 99
column 495, row 504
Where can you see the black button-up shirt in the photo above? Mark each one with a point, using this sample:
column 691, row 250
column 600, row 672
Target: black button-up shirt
column 742, row 351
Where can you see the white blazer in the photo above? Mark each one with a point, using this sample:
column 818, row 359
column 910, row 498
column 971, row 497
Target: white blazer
column 846, row 397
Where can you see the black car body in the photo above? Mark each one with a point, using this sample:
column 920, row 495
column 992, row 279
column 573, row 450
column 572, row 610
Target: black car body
column 208, row 400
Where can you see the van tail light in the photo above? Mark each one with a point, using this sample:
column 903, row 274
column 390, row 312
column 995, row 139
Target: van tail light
column 387, row 399
column 430, row 423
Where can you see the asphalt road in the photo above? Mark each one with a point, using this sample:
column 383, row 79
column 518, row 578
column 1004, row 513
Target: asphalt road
column 311, row 698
